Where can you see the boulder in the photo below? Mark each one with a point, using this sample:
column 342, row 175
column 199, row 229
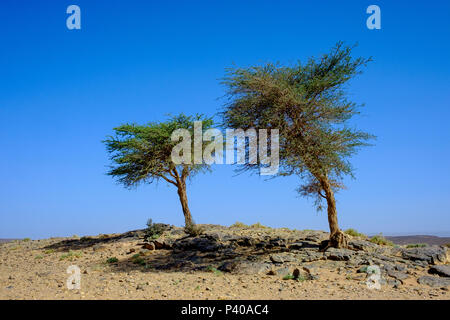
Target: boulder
column 282, row 258
column 338, row 254
column 436, row 282
column 442, row 270
column 430, row 255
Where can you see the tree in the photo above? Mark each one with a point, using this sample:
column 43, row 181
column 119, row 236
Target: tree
column 142, row 154
column 308, row 104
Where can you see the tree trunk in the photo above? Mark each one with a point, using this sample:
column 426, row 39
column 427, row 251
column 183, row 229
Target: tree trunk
column 184, row 204
column 337, row 237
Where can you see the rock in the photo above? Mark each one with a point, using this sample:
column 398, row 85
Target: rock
column 145, row 252
column 202, row 244
column 252, row 267
column 163, row 244
column 149, row 246
column 397, row 275
column 436, row 282
column 338, row 254
column 442, row 270
column 282, row 258
column 296, row 246
column 361, row 245
column 394, row 283
column 279, row 272
column 228, row 266
column 430, row 255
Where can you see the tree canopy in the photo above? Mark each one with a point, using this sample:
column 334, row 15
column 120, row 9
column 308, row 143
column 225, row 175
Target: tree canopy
column 142, row 154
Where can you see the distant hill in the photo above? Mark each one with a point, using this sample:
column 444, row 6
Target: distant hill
column 430, row 240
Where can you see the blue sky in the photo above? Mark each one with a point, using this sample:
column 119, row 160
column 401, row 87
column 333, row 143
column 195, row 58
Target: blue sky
column 62, row 91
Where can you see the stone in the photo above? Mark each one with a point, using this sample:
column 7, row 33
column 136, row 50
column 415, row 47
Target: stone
column 338, row 254
column 282, row 258
column 397, row 275
column 441, row 270
column 430, row 255
column 149, row 246
column 228, row 266
column 435, row 282
column 246, row 267
column 145, row 252
column 361, row 245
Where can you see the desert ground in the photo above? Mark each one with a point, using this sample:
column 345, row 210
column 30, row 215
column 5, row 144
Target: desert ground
column 239, row 262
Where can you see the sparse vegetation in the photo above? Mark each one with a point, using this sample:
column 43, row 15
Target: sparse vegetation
column 137, row 259
column 354, row 233
column 214, row 270
column 26, row 239
column 49, row 251
column 112, row 260
column 154, row 230
column 38, row 257
column 447, row 245
column 292, row 277
column 194, row 230
column 238, row 224
column 381, row 240
column 258, row 226
column 71, row 255
column 416, row 245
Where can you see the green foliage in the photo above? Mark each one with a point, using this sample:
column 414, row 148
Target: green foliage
column 142, row 153
column 355, row 233
column 112, row 260
column 71, row 255
column 48, row 251
column 154, row 230
column 137, row 259
column 26, row 239
column 292, row 277
column 416, row 245
column 380, row 240
column 307, row 102
column 214, row 270
column 38, row 257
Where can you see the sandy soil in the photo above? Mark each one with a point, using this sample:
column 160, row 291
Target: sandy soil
column 30, row 271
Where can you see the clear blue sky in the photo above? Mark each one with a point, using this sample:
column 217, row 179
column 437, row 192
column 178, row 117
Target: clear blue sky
column 62, row 91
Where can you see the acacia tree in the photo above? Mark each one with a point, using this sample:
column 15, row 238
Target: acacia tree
column 142, row 154
column 308, row 104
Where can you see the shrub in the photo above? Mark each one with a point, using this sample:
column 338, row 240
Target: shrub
column 416, row 245
column 48, row 251
column 380, row 240
column 112, row 260
column 354, row 233
column 154, row 230
column 193, row 230
column 238, row 224
column 26, row 239
column 213, row 270
column 137, row 259
column 447, row 245
column 71, row 255
column 38, row 257
column 258, row 226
